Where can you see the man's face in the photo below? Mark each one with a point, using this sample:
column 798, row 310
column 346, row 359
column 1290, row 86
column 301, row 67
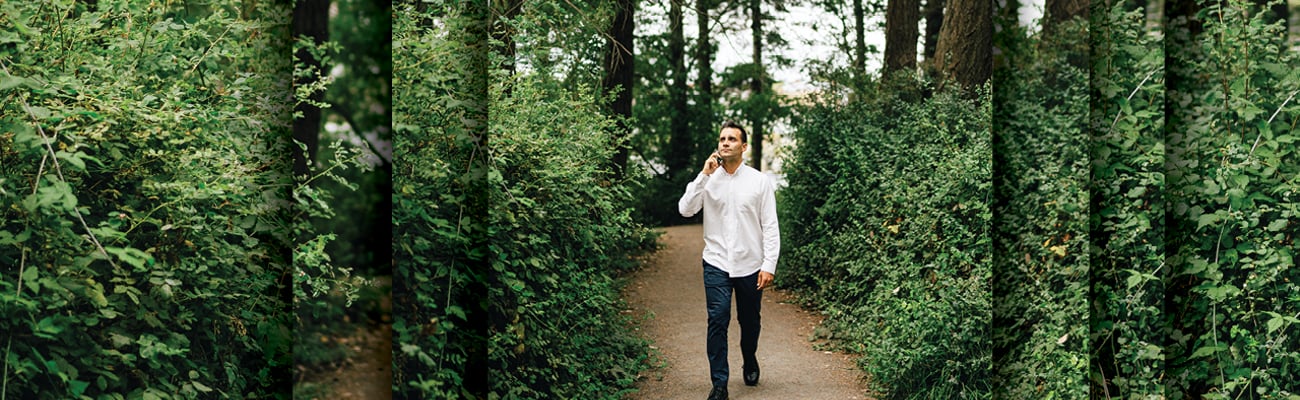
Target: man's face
column 729, row 145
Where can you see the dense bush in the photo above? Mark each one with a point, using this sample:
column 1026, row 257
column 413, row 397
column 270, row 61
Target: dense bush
column 1127, row 207
column 1233, row 289
column 560, row 232
column 1040, row 231
column 510, row 231
column 439, row 204
column 144, row 187
column 886, row 222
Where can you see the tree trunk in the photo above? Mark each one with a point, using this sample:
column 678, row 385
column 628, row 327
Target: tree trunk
column 860, row 41
column 681, row 136
column 310, row 19
column 756, row 86
column 618, row 76
column 704, row 62
column 901, row 17
column 1059, row 11
column 504, row 11
column 933, row 20
column 965, row 49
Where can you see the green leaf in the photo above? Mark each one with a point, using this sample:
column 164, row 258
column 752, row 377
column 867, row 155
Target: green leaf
column 1207, row 219
column 77, row 387
column 133, row 257
column 72, row 160
column 47, row 328
column 1276, row 225
column 201, row 387
column 9, row 82
column 1135, row 278
column 457, row 311
column 1249, row 112
column 1275, row 323
column 30, row 274
column 1205, row 351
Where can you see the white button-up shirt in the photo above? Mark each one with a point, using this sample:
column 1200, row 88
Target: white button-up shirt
column 741, row 235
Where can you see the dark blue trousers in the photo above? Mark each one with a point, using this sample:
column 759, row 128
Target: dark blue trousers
column 718, row 287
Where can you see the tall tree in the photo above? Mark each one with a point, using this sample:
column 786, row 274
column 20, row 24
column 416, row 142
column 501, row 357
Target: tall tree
column 756, row 86
column 901, row 17
column 933, row 20
column 1059, row 11
column 704, row 64
column 619, row 74
column 311, row 20
column 860, row 41
column 681, row 136
column 965, row 50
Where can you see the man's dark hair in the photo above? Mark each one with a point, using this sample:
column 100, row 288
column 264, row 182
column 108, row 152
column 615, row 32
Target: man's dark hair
column 730, row 124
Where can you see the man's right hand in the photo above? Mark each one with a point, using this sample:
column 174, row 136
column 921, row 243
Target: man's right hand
column 711, row 164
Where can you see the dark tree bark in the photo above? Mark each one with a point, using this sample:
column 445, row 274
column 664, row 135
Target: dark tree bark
column 756, row 86
column 503, row 11
column 310, row 19
column 618, row 75
column 901, row 17
column 933, row 20
column 965, row 50
column 1059, row 11
column 704, row 63
column 682, row 138
column 860, row 41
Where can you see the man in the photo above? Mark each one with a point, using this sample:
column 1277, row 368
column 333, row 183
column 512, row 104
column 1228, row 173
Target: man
column 741, row 245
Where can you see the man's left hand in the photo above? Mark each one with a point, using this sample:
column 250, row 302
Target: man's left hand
column 765, row 279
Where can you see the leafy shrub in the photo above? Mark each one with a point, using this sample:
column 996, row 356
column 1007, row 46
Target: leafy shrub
column 143, row 177
column 1127, row 207
column 886, row 218
column 560, row 232
column 1233, row 291
column 439, row 202
column 1040, row 225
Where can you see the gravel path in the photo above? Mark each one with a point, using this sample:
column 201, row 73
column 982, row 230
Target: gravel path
column 670, row 290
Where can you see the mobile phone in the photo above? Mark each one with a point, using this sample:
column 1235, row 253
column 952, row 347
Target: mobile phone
column 718, row 159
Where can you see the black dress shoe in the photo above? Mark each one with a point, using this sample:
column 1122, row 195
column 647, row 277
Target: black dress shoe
column 718, row 393
column 751, row 375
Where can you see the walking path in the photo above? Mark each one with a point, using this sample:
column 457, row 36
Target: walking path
column 671, row 290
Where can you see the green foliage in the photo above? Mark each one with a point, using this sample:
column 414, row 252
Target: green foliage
column 560, row 232
column 886, row 220
column 1232, row 198
column 534, row 222
column 439, row 202
column 145, row 236
column 1127, row 208
column 1040, row 234
column 359, row 99
column 348, row 195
